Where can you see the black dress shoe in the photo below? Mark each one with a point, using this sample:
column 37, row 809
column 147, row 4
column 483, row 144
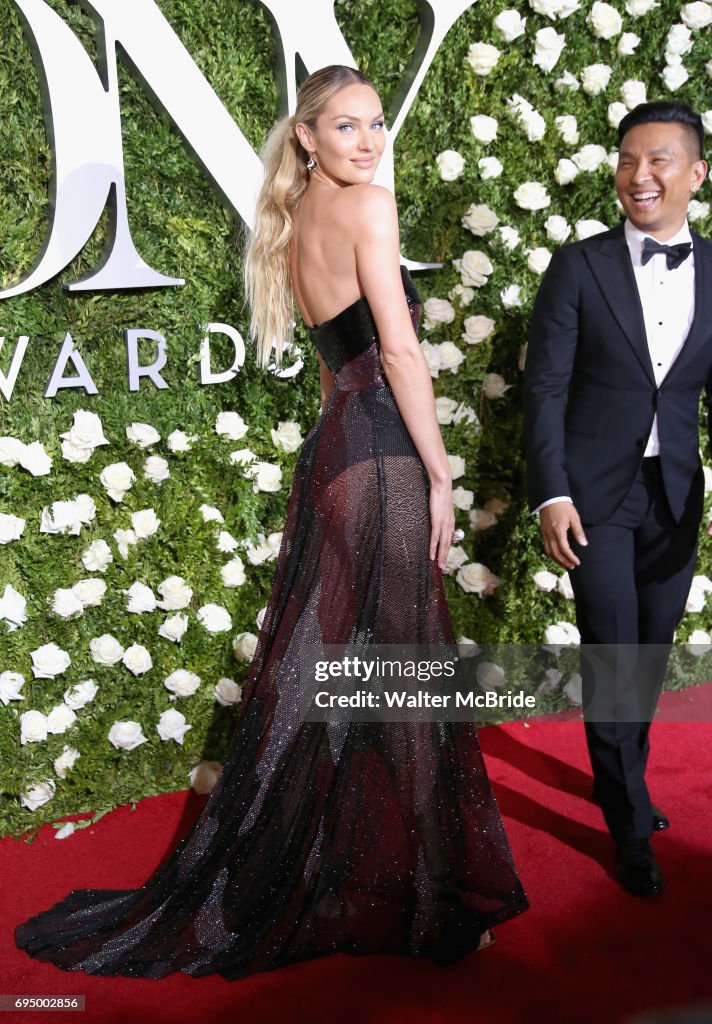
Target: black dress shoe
column 660, row 818
column 637, row 869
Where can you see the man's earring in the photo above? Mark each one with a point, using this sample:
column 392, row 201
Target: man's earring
column 311, row 162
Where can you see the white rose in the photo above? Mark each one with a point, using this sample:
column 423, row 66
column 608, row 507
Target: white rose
column 60, row 719
column 627, row 44
column 97, row 557
column 457, row 466
column 126, row 735
column 35, row 459
column 674, row 75
column 226, row 542
column 105, row 649
column 33, row 727
column 227, row 692
column 204, row 776
column 490, row 676
column 462, row 498
column 633, row 92
column 482, row 58
column 230, row 425
column 456, row 557
column 49, row 661
column 179, row 441
column 244, row 646
column 66, row 604
column 565, row 172
column 172, row 726
column 450, row 356
column 13, row 608
column 509, row 236
column 73, row 453
column 567, row 81
column 572, row 690
column 679, row 40
column 182, row 683
column 532, row 195
column 474, row 268
column 706, row 116
column 266, row 476
column 616, row 113
column 450, row 164
column 155, row 469
column 241, row 458
column 174, row 628
column 65, row 761
column 595, row 78
column 215, row 618
column 697, row 14
column 696, row 599
column 530, row 119
column 612, row 161
column 211, row 514
column 79, row 695
column 145, row 522
column 510, row 25
column 548, row 46
column 10, row 685
column 698, row 643
column 258, row 553
column 90, row 592
column 605, row 20
column 497, row 505
column 697, row 210
column 287, row 436
column 481, row 519
column 586, row 228
column 479, row 220
column 467, row 413
column 494, row 386
column 484, row 127
column 175, row 592
column 511, row 296
column 137, row 659
column 467, row 647
column 475, row 578
column 38, row 794
column 552, row 678
column 124, row 540
column 477, row 328
column 637, row 8
column 490, row 167
column 554, row 8
column 233, row 573
column 437, row 311
column 545, row 581
column 140, row 598
column 557, row 228
column 589, row 157
column 86, row 432
column 445, row 410
column 143, row 434
column 538, row 260
column 708, row 68
column 10, row 451
column 561, row 634
column 463, row 295
column 564, row 587
column 117, row 479
column 567, row 128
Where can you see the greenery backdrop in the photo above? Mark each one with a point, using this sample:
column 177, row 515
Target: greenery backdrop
column 181, row 227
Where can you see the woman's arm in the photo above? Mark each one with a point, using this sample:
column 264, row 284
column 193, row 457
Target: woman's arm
column 377, row 247
column 326, row 381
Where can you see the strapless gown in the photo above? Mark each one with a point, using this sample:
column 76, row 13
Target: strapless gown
column 362, row 837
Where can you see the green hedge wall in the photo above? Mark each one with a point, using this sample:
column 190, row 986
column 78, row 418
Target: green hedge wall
column 181, row 227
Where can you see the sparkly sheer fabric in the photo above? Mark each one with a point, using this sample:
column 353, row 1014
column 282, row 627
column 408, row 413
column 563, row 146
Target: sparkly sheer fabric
column 321, row 838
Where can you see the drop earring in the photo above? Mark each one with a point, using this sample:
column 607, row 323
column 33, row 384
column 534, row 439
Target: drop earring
column 311, row 162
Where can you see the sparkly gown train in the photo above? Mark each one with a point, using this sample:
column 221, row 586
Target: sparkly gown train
column 359, row 838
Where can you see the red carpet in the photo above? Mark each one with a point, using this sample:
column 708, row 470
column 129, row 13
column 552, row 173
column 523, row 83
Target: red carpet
column 585, row 953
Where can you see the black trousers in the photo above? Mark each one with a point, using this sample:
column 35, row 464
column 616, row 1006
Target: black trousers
column 630, row 589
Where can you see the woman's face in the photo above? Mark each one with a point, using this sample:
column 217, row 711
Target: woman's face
column 349, row 138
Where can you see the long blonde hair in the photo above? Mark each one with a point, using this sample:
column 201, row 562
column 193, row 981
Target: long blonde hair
column 267, row 276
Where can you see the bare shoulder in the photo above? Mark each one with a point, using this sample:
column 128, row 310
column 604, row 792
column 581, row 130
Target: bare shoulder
column 368, row 204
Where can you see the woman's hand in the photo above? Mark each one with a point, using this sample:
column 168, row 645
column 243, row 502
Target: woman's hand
column 442, row 520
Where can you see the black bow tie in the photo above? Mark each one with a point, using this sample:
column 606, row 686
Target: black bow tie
column 676, row 254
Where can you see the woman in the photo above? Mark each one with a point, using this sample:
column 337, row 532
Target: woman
column 357, row 837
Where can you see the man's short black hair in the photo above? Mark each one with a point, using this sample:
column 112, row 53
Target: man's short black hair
column 667, row 111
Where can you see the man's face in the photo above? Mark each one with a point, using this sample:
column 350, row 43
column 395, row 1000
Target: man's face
column 657, row 171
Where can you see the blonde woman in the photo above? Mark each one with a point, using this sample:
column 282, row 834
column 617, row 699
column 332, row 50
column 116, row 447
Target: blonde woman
column 359, row 837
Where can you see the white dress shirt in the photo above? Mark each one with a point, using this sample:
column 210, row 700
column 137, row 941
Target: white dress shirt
column 668, row 300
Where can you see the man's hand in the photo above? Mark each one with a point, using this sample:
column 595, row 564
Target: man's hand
column 555, row 521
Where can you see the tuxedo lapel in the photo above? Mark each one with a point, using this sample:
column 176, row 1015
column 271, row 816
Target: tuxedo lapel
column 610, row 264
column 699, row 332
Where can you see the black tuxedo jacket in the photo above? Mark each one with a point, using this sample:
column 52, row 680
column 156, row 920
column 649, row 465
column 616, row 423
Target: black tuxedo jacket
column 589, row 388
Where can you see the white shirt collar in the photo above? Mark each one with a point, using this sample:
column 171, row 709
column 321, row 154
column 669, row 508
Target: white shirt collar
column 635, row 238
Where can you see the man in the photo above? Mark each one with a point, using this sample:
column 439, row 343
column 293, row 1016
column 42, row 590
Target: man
column 620, row 350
